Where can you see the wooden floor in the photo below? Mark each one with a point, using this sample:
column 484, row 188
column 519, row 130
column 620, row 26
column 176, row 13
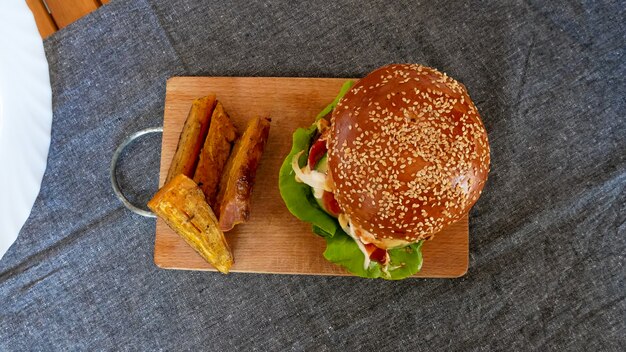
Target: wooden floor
column 52, row 15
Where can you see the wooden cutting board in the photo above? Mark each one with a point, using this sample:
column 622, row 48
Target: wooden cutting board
column 273, row 241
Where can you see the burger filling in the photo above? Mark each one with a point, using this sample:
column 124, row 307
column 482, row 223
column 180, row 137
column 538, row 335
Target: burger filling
column 315, row 175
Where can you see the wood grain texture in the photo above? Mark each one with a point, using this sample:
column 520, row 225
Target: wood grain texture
column 45, row 23
column 273, row 241
column 65, row 12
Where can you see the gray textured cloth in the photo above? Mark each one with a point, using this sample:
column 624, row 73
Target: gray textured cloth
column 548, row 236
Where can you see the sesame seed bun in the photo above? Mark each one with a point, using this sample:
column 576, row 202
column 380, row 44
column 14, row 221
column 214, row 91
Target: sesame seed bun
column 407, row 152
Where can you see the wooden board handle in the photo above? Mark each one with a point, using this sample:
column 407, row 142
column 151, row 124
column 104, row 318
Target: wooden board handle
column 116, row 187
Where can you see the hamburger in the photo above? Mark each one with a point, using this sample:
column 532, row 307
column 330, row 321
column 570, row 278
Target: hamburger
column 393, row 160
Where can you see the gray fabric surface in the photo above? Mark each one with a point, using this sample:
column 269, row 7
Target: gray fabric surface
column 548, row 237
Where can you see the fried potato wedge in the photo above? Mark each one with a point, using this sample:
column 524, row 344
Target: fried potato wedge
column 181, row 204
column 192, row 137
column 215, row 153
column 233, row 200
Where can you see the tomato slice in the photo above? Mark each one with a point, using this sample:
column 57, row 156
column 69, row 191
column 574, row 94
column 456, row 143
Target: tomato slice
column 376, row 254
column 330, row 204
column 317, row 151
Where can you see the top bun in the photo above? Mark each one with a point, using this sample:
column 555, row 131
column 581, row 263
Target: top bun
column 408, row 154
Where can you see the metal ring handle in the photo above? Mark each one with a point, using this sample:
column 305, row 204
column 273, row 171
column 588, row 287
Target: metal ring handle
column 115, row 185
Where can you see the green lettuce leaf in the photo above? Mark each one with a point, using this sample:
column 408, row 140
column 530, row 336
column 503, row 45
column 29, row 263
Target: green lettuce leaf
column 298, row 197
column 341, row 249
column 344, row 89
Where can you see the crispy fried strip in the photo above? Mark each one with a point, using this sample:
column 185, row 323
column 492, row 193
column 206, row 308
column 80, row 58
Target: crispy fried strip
column 181, row 204
column 215, row 153
column 192, row 137
column 233, row 200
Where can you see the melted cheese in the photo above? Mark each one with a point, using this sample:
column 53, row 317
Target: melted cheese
column 314, row 179
column 345, row 224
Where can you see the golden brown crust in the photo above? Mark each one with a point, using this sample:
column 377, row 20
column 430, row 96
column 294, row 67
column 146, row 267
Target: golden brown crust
column 191, row 138
column 215, row 153
column 408, row 152
column 181, row 204
column 233, row 200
